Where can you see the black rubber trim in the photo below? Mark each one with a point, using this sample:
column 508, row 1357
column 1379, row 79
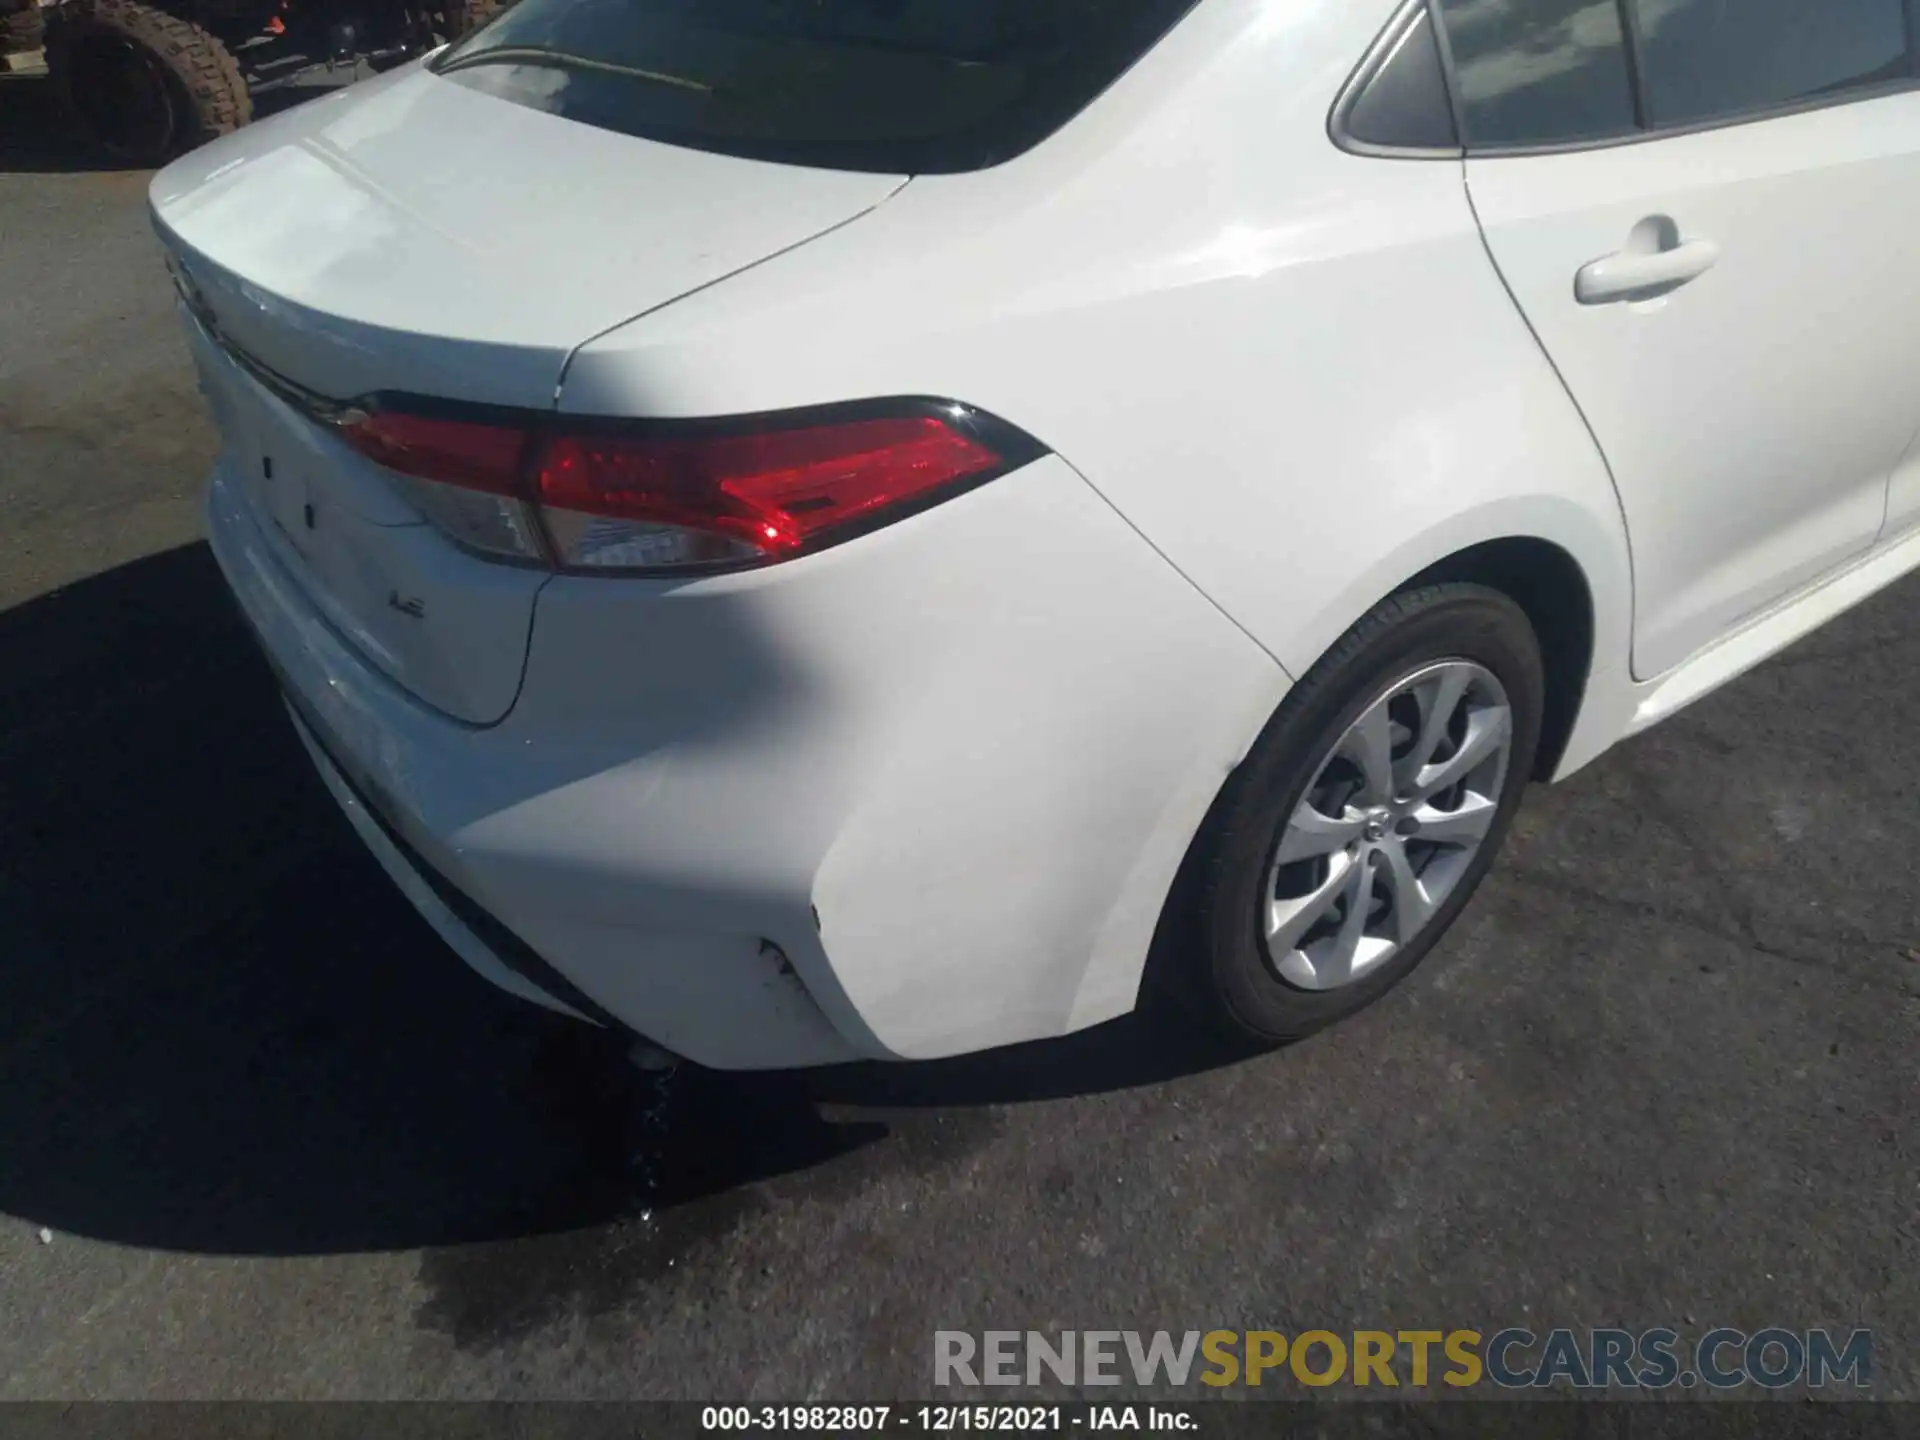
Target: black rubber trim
column 1384, row 50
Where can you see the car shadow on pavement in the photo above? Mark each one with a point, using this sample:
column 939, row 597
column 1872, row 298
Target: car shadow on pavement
column 223, row 1030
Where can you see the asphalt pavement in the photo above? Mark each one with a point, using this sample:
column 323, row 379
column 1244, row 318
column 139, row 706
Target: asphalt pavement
column 282, row 1145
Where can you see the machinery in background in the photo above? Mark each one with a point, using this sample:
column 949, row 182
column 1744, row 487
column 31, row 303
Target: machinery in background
column 150, row 79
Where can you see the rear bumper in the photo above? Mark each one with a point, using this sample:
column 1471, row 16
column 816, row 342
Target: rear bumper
column 918, row 795
column 477, row 937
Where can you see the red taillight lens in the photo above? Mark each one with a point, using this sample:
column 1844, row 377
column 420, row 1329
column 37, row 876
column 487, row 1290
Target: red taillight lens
column 674, row 497
column 774, row 491
column 453, row 452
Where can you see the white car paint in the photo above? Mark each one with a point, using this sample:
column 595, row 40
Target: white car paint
column 984, row 800
column 372, row 554
column 1752, row 418
column 1774, row 629
column 408, row 234
column 926, row 792
column 1311, row 342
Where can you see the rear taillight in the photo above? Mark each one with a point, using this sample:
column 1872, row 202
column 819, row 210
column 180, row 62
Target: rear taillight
column 683, row 495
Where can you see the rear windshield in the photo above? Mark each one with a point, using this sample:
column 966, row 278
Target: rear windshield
column 900, row 86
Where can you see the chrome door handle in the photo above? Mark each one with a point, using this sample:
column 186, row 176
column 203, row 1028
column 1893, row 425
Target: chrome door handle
column 1636, row 275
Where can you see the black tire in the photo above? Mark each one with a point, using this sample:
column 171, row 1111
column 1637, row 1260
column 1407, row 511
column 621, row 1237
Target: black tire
column 146, row 85
column 1212, row 955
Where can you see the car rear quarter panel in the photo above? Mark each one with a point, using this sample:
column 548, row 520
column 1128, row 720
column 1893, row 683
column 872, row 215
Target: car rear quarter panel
column 949, row 770
column 1293, row 369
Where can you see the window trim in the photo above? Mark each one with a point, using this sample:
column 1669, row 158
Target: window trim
column 1633, row 39
column 1730, row 121
column 1647, row 130
column 1384, row 48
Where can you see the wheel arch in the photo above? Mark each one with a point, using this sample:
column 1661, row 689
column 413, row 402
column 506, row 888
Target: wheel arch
column 1548, row 584
column 1568, row 570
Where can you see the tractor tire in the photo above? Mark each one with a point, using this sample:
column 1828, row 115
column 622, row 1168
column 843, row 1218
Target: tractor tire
column 461, row 18
column 22, row 30
column 147, row 85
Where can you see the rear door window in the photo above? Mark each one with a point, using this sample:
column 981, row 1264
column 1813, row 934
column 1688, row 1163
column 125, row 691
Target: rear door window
column 1706, row 58
column 1540, row 72
column 899, row 86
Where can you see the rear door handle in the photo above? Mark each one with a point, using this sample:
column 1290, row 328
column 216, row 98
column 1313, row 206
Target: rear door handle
column 1637, row 275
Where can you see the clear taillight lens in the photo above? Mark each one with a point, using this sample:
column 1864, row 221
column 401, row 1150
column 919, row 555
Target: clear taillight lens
column 677, row 496
column 463, row 477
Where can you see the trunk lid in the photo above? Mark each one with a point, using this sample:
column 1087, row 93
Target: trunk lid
column 410, row 235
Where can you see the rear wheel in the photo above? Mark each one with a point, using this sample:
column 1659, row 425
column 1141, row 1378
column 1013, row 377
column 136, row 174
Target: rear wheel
column 1365, row 816
column 146, row 85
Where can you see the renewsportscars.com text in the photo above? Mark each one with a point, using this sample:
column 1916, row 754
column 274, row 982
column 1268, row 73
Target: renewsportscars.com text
column 1514, row 1358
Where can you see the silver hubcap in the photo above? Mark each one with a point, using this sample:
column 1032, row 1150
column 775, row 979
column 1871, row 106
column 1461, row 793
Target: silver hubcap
column 1390, row 823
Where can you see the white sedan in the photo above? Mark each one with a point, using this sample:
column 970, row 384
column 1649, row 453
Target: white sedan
column 885, row 528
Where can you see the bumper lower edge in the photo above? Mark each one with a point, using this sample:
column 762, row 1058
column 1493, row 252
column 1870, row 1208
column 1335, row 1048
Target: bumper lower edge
column 540, row 982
